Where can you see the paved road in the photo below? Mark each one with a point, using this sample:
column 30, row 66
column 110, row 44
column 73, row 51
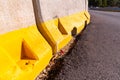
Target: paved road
column 96, row 55
column 115, row 9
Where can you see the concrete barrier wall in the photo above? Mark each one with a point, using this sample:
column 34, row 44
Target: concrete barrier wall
column 48, row 15
column 24, row 52
column 86, row 5
column 28, row 50
column 15, row 14
column 51, row 9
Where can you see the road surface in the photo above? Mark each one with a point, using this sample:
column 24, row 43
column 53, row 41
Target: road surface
column 96, row 55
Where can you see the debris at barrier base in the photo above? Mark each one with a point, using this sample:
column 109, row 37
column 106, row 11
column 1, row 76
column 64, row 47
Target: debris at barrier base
column 55, row 61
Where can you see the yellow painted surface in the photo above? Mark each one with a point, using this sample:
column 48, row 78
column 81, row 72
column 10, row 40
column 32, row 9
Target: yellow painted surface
column 88, row 16
column 53, row 35
column 58, row 31
column 73, row 21
column 8, row 68
column 24, row 54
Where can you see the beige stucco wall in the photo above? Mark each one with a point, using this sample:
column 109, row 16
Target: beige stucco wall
column 15, row 14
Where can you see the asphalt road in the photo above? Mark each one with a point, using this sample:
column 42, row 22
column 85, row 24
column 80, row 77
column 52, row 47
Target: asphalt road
column 96, row 55
column 115, row 9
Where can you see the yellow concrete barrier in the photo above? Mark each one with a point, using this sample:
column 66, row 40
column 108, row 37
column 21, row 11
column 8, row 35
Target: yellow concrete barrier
column 74, row 21
column 54, row 35
column 88, row 16
column 57, row 20
column 26, row 50
column 58, row 31
column 24, row 54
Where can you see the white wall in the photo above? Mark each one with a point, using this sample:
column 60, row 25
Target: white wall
column 59, row 8
column 15, row 14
